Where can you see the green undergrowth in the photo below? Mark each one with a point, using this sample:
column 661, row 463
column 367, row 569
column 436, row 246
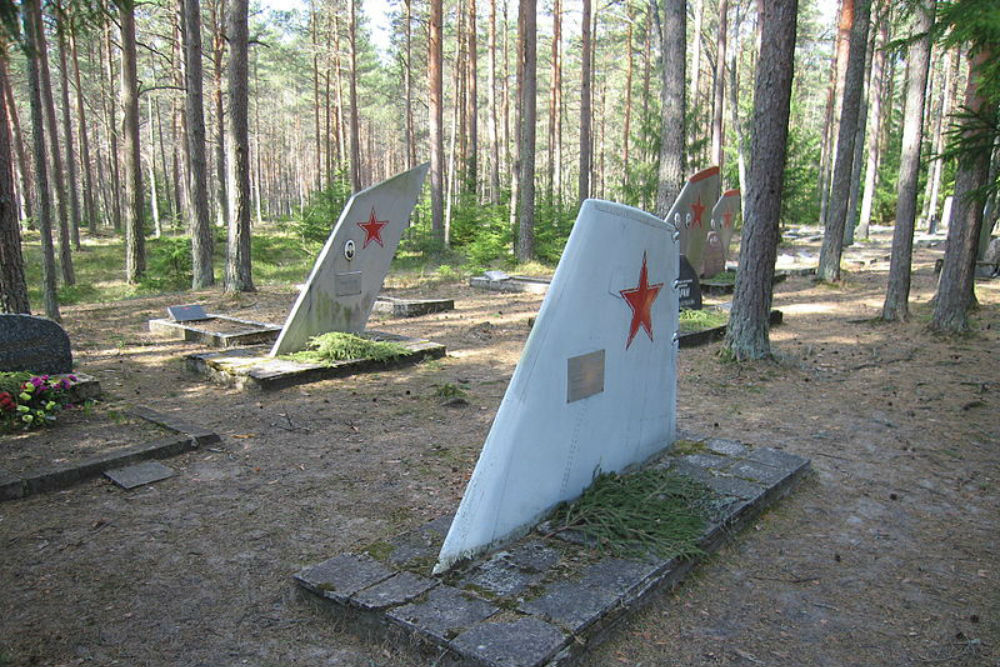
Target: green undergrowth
column 336, row 346
column 699, row 320
column 651, row 511
column 728, row 277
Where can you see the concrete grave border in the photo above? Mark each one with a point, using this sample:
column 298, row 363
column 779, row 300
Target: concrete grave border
column 522, row 606
column 186, row 437
column 256, row 333
column 530, row 284
column 251, row 369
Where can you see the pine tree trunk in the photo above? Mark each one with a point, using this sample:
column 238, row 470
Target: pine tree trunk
column 13, row 289
column 586, row 103
column 55, row 154
column 897, row 292
column 747, row 336
column 876, row 90
column 491, row 116
column 32, row 47
column 238, row 268
column 626, row 131
column 89, row 202
column 218, row 53
column 472, row 95
column 199, row 217
column 954, row 294
column 673, row 38
column 833, row 236
column 73, row 184
column 24, row 166
column 527, row 53
column 720, row 86
column 111, row 102
column 353, row 91
column 937, row 141
column 436, row 101
column 135, row 239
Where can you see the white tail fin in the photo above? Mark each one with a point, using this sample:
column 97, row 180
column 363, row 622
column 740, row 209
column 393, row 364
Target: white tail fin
column 724, row 217
column 595, row 388
column 352, row 266
column 690, row 214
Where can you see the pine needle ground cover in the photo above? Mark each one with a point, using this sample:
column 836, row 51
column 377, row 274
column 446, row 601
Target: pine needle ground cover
column 653, row 511
column 329, row 348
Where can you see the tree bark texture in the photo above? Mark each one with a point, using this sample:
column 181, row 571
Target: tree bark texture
column 586, row 104
column 748, row 334
column 720, row 86
column 135, row 239
column 199, row 217
column 13, row 289
column 833, row 235
column 673, row 38
column 238, row 268
column 353, row 92
column 42, row 193
column 27, row 189
column 875, row 91
column 472, row 97
column 954, row 293
column 527, row 52
column 435, row 83
column 73, row 182
column 897, row 292
column 89, row 200
column 55, row 153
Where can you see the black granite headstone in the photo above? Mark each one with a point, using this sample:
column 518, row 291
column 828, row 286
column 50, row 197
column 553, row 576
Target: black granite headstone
column 34, row 344
column 688, row 286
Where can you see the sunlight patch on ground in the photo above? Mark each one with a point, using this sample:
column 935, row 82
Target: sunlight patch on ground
column 809, row 308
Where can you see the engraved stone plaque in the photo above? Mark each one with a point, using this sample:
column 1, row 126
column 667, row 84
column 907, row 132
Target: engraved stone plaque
column 348, row 284
column 186, row 313
column 584, row 376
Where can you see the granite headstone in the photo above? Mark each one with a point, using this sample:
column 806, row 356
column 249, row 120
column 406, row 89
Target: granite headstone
column 34, row 344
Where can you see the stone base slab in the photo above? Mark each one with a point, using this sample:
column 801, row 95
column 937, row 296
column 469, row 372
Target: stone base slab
column 251, row 369
column 512, row 284
column 185, row 438
column 545, row 599
column 411, row 307
column 246, row 332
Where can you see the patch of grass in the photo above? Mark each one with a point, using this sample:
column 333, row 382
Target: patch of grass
column 652, row 511
column 685, row 447
column 338, row 346
column 380, row 551
column 700, row 320
column 728, row 277
column 449, row 390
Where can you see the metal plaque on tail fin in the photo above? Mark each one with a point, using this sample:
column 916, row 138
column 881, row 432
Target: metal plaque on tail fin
column 691, row 214
column 724, row 217
column 352, row 266
column 595, row 388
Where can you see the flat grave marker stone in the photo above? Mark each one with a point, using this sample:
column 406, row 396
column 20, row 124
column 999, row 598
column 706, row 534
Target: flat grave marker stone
column 188, row 313
column 139, row 474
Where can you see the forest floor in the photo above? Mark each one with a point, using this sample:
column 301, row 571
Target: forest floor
column 889, row 554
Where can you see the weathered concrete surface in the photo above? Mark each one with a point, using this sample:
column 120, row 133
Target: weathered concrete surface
column 547, row 598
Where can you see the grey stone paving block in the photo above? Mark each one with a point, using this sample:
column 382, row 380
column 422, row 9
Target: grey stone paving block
column 499, row 575
column 397, row 589
column 619, row 575
column 534, row 556
column 139, row 474
column 11, row 486
column 726, row 447
column 776, row 458
column 699, row 473
column 421, row 544
column 342, row 576
column 765, row 474
column 733, row 486
column 446, row 613
column 526, row 642
column 571, row 605
column 705, row 460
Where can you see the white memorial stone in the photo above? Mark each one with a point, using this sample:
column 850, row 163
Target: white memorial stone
column 714, row 262
column 690, row 214
column 724, row 217
column 595, row 389
column 352, row 266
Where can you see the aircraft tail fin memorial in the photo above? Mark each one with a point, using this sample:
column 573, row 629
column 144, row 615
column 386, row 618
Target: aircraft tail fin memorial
column 724, row 216
column 690, row 214
column 352, row 266
column 595, row 389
